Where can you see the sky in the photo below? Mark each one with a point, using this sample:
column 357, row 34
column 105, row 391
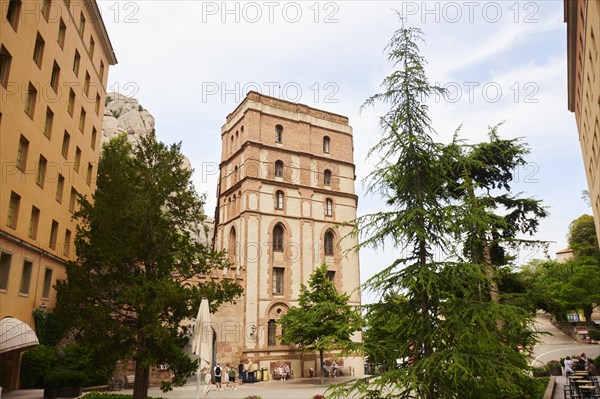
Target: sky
column 191, row 62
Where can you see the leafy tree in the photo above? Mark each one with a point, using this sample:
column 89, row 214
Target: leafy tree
column 323, row 321
column 451, row 338
column 583, row 239
column 135, row 278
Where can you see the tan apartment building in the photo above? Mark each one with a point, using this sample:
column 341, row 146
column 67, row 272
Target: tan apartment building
column 286, row 189
column 583, row 42
column 54, row 60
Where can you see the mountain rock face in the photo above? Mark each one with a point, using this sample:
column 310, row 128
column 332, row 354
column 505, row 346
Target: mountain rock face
column 124, row 114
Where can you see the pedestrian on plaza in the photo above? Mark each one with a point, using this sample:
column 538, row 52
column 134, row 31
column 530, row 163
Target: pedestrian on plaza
column 585, row 358
column 251, row 371
column 241, row 372
column 580, row 364
column 226, row 375
column 593, row 369
column 231, row 373
column 218, row 375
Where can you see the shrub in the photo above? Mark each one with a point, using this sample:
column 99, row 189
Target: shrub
column 553, row 363
column 90, row 360
column 65, row 378
column 35, row 364
column 253, row 397
column 318, row 396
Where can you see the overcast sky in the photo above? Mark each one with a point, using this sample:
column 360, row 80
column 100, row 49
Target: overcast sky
column 191, row 62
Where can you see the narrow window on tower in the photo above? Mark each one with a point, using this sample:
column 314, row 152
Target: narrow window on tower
column 278, row 238
column 329, row 237
column 279, row 200
column 326, row 144
column 272, row 328
column 279, row 134
column 278, row 169
column 328, row 207
column 327, row 177
column 278, row 280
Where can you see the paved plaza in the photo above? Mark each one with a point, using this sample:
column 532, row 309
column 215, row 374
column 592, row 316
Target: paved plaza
column 302, row 388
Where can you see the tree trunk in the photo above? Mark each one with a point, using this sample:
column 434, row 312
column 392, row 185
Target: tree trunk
column 587, row 313
column 322, row 367
column 142, row 381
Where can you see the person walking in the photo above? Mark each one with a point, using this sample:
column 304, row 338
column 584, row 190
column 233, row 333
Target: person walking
column 218, row 375
column 241, row 372
column 231, row 373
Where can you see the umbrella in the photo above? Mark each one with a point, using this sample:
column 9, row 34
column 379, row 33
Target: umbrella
column 202, row 345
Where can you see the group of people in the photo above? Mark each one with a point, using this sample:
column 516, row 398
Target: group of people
column 579, row 363
column 331, row 371
column 231, row 375
column 283, row 371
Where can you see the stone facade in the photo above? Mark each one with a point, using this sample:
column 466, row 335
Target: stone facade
column 54, row 61
column 286, row 191
column 583, row 61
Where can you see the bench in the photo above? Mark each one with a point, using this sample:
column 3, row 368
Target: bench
column 129, row 380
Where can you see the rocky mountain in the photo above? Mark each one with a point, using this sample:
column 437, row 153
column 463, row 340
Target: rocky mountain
column 124, row 114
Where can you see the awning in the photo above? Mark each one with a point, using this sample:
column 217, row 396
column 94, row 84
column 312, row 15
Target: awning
column 15, row 334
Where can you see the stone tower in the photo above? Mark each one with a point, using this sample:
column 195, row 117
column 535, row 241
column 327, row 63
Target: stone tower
column 286, row 187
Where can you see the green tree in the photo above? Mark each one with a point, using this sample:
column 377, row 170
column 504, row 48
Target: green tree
column 583, row 239
column 135, row 278
column 323, row 320
column 452, row 339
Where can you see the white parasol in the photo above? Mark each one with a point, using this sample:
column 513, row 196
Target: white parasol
column 202, row 345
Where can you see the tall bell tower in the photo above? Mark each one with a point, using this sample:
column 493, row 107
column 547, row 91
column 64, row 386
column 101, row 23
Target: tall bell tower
column 286, row 188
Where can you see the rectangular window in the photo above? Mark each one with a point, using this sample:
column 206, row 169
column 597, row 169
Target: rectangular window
column 67, row 247
column 62, row 32
column 22, row 153
column 53, row 234
column 72, row 200
column 30, row 100
column 13, row 210
column 40, row 177
column 76, row 62
column 5, row 61
column 38, row 50
column 97, row 105
column 60, row 187
column 48, row 123
column 330, row 276
column 91, row 48
column 86, row 85
column 5, row 260
column 82, row 116
column 71, row 105
column 101, row 72
column 26, row 277
column 33, row 222
column 47, row 283
column 65, row 145
column 55, row 77
column 46, row 4
column 81, row 24
column 94, row 136
column 271, row 333
column 13, row 12
column 278, row 280
column 77, row 163
column 90, row 172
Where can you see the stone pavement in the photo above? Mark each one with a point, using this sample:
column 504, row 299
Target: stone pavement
column 301, row 388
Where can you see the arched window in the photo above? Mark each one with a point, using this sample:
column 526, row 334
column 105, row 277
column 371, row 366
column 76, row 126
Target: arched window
column 328, row 207
column 329, row 236
column 235, row 174
column 327, row 177
column 278, row 169
column 279, row 133
column 279, row 200
column 326, row 144
column 231, row 247
column 278, row 238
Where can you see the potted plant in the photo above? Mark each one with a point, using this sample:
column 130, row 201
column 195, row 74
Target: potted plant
column 554, row 367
